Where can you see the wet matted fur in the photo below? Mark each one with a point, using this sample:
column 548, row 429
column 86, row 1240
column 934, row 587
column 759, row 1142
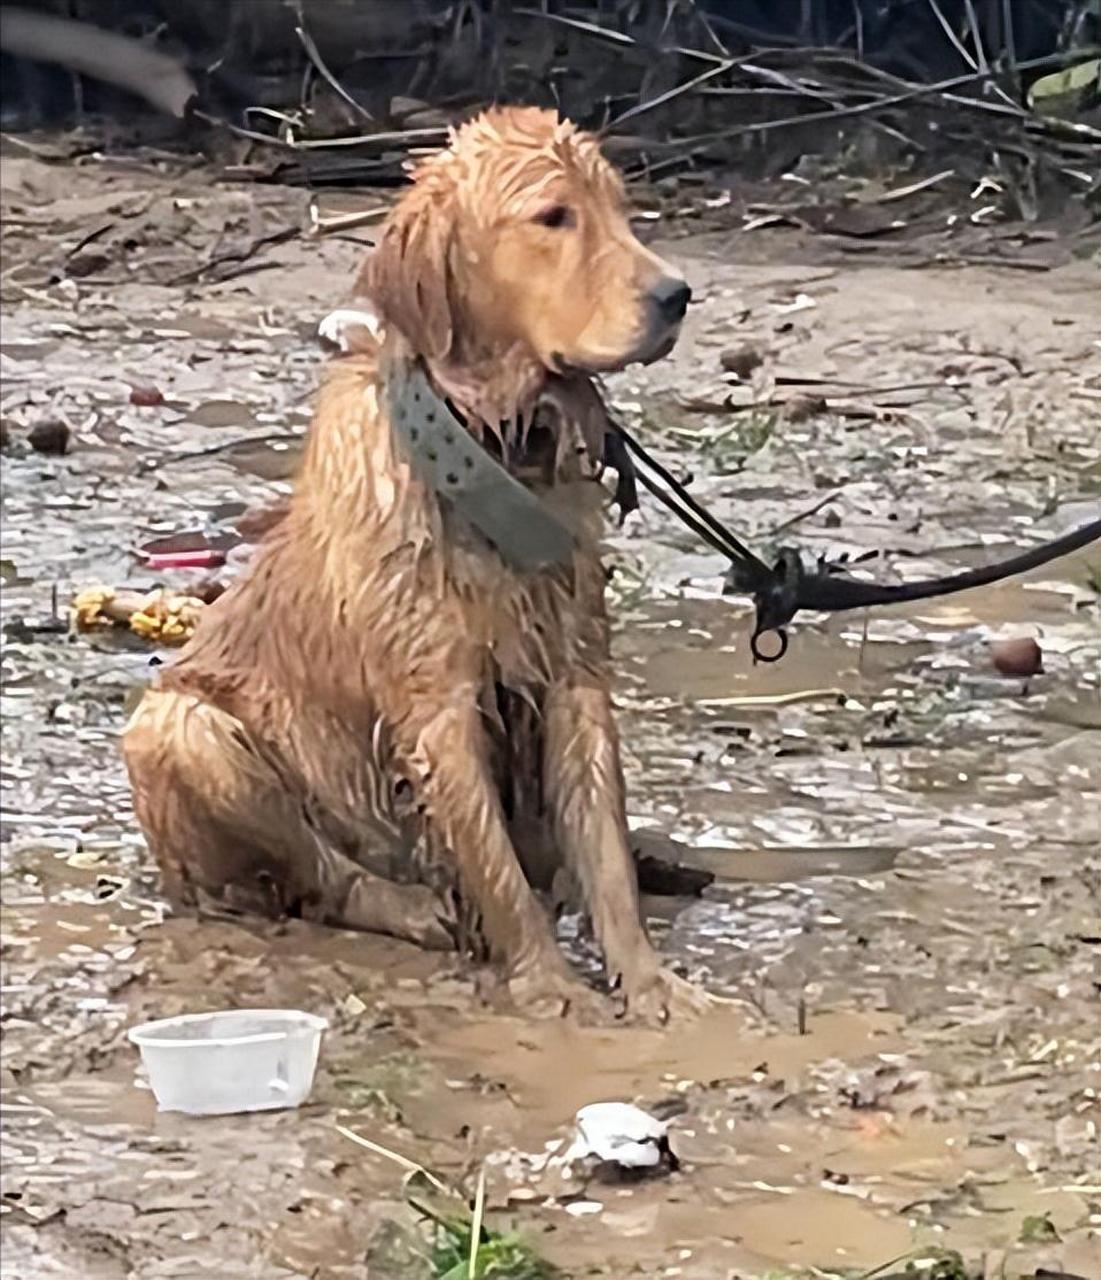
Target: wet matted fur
column 382, row 725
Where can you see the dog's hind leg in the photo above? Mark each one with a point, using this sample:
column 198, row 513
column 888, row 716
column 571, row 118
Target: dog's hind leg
column 226, row 827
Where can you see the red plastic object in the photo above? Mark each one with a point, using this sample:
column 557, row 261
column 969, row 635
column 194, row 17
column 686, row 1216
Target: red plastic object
column 202, row 558
column 147, row 397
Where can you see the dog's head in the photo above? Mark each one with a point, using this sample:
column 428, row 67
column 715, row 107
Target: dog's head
column 516, row 236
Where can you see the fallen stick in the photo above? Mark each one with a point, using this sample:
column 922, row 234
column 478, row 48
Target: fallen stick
column 102, row 55
column 314, row 55
column 775, row 699
column 233, row 257
column 321, row 225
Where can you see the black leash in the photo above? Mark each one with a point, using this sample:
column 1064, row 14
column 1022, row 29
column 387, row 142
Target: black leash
column 780, row 591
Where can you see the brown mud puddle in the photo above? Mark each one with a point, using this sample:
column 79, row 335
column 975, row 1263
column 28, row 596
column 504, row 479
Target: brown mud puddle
column 907, row 911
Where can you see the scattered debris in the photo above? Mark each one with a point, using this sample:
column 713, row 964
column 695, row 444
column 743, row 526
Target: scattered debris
column 346, row 330
column 619, row 1133
column 160, row 616
column 200, row 558
column 1039, row 1229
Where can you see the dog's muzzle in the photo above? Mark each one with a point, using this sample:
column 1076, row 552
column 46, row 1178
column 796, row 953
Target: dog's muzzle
column 666, row 305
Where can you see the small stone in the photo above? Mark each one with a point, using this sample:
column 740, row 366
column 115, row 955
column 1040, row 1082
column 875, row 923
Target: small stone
column 50, row 435
column 88, row 262
column 208, row 590
column 801, row 407
column 741, row 361
column 1021, row 657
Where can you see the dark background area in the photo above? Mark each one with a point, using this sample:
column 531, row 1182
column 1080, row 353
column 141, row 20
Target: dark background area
column 246, row 53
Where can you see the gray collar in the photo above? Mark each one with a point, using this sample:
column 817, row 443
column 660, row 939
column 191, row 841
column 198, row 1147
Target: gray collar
column 449, row 460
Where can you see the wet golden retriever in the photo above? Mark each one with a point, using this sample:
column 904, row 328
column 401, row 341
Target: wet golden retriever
column 385, row 725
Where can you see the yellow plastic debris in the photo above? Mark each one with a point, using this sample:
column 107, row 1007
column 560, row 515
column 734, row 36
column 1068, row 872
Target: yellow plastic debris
column 161, row 616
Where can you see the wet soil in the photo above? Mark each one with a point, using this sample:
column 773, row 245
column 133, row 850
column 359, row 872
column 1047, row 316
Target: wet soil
column 907, row 911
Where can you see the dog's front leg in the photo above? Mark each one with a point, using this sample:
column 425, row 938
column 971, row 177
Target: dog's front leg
column 452, row 758
column 584, row 788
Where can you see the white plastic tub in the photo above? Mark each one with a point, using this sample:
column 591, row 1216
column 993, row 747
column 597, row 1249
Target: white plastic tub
column 214, row 1064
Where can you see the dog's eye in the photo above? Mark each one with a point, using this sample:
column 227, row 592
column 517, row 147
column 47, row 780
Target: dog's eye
column 555, row 216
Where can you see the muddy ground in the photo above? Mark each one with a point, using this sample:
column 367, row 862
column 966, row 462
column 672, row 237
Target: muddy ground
column 907, row 910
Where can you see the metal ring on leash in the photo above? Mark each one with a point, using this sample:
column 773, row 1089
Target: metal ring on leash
column 755, row 644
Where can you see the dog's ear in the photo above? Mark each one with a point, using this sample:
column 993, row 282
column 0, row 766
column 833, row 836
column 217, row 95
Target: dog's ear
column 408, row 275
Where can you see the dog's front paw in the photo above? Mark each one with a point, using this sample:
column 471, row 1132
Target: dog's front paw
column 655, row 995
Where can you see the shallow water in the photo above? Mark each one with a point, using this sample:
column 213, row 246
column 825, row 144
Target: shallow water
column 907, row 911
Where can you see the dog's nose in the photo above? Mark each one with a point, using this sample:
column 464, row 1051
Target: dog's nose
column 671, row 295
